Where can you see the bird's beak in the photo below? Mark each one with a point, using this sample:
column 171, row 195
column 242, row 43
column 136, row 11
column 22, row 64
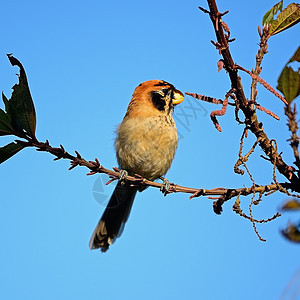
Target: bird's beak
column 177, row 97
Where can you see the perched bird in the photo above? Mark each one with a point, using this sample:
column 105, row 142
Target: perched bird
column 145, row 144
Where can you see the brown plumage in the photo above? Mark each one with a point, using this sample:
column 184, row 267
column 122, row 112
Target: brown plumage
column 145, row 144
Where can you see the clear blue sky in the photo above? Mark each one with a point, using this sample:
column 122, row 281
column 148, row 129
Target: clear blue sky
column 83, row 60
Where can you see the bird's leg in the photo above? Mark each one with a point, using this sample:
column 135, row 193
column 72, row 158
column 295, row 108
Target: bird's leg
column 165, row 187
column 122, row 176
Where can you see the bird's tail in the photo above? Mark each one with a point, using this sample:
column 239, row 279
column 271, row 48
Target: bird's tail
column 113, row 220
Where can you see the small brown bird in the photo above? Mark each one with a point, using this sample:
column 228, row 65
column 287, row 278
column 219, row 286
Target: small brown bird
column 145, row 144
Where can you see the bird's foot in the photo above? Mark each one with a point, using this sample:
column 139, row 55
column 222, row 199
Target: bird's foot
column 165, row 187
column 123, row 176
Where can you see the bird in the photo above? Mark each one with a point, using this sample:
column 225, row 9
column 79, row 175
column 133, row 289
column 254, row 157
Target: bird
column 145, row 144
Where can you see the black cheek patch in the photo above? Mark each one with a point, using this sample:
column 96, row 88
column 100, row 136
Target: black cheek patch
column 158, row 101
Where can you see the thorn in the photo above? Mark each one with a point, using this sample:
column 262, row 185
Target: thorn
column 259, row 31
column 266, row 158
column 224, row 13
column 97, row 162
column 204, row 10
column 78, row 155
column 198, row 194
column 72, row 167
column 91, row 173
column 73, row 164
column 111, row 180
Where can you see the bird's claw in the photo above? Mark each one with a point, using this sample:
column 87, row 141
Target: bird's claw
column 123, row 176
column 165, row 187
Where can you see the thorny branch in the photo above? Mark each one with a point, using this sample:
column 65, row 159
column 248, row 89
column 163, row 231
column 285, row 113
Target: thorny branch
column 251, row 123
column 95, row 167
column 251, row 120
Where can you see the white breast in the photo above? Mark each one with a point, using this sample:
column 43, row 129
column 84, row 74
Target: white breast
column 146, row 146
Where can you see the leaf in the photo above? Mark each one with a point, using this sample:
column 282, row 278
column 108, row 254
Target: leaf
column 5, row 125
column 289, row 84
column 289, row 80
column 6, row 104
column 291, row 205
column 290, row 16
column 296, row 56
column 9, row 150
column 20, row 106
column 292, row 233
column 5, row 120
column 269, row 16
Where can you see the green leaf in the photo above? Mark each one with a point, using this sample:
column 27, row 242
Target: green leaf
column 269, row 16
column 296, row 56
column 289, row 83
column 9, row 150
column 20, row 106
column 291, row 205
column 289, row 80
column 290, row 16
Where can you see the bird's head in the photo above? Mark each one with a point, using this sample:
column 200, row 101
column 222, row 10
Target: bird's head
column 154, row 97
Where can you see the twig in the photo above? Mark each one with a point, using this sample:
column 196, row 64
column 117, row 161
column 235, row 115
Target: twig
column 259, row 107
column 215, row 113
column 264, row 83
column 220, row 112
column 280, row 187
column 205, row 98
column 263, row 46
column 237, row 209
column 250, row 116
column 293, row 127
column 242, row 159
column 251, row 204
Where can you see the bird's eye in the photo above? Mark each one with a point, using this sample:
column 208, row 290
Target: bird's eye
column 165, row 91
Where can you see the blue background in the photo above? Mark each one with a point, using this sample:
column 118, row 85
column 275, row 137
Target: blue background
column 83, row 61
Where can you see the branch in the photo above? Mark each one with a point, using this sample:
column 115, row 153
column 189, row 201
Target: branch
column 264, row 36
column 220, row 112
column 251, row 120
column 243, row 159
column 95, row 167
column 293, row 127
column 264, row 83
